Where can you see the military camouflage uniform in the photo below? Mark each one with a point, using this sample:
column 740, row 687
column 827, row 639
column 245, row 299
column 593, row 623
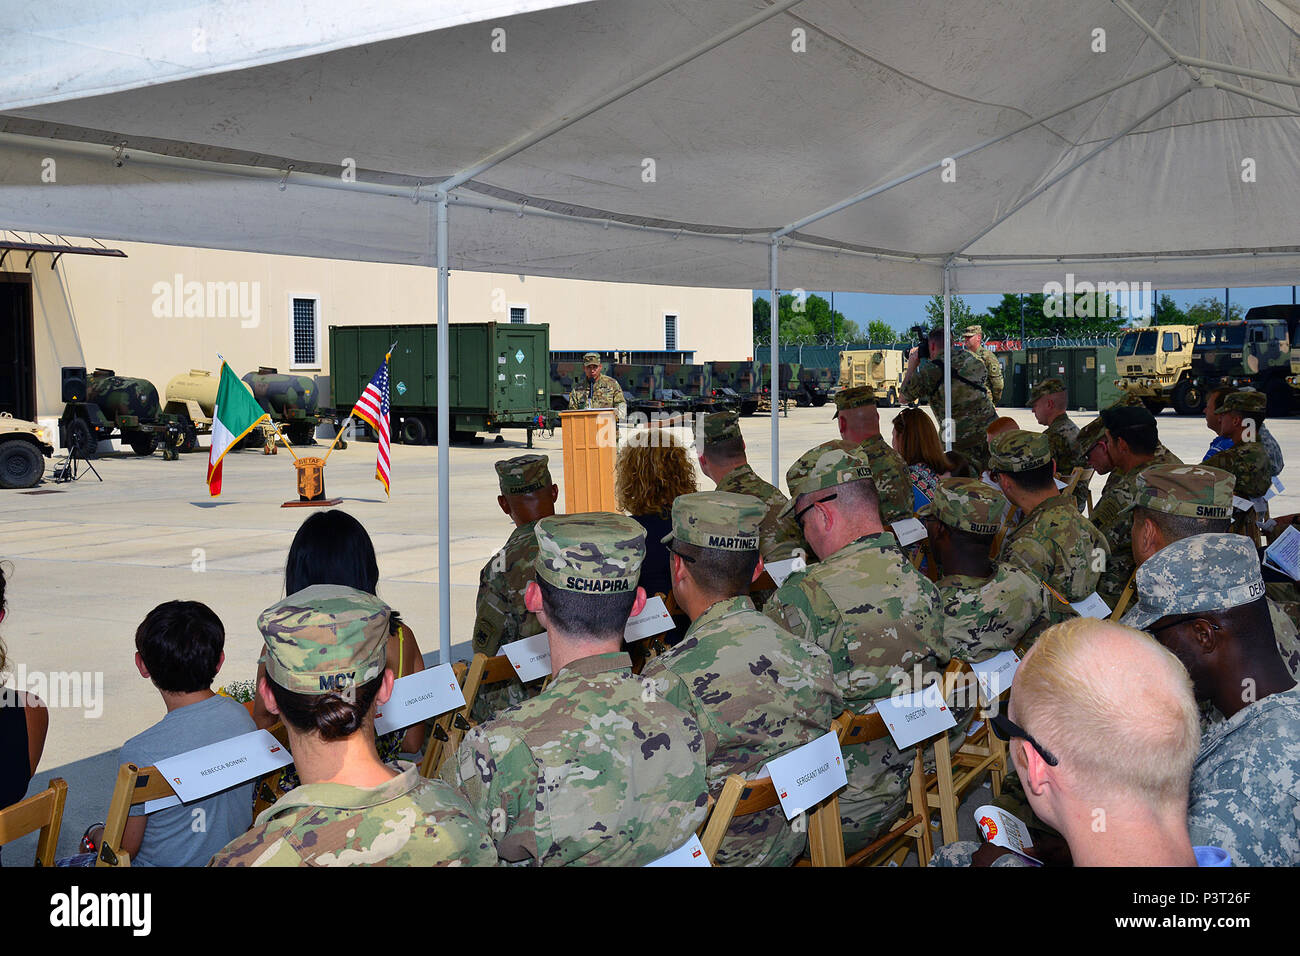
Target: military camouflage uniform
column 408, row 821
column 972, row 410
column 749, row 683
column 1063, row 436
column 779, row 537
column 889, row 472
column 1053, row 542
column 877, row 616
column 1113, row 519
column 597, row 769
column 1249, row 462
column 329, row 639
column 1273, row 448
column 991, row 365
column 604, row 392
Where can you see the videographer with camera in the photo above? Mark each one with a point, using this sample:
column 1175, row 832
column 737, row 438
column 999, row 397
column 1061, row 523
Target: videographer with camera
column 972, row 409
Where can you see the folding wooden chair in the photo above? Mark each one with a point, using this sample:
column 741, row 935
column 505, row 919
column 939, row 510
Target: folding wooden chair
column 267, row 788
column 740, row 797
column 449, row 729
column 134, row 785
column 1125, row 598
column 1072, row 484
column 43, row 812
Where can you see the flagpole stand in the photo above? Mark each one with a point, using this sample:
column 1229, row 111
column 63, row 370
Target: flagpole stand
column 311, row 485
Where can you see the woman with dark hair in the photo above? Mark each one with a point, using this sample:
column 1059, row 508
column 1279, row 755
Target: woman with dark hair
column 332, row 547
column 24, row 722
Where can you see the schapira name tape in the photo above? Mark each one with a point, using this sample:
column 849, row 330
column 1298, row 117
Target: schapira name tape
column 418, row 696
column 216, row 767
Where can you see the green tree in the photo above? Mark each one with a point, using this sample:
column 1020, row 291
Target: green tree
column 1168, row 313
column 880, row 332
column 959, row 313
column 1003, row 320
column 804, row 320
column 1210, row 309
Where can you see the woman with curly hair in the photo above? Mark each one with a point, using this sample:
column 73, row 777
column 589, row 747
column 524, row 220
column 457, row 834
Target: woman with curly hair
column 653, row 468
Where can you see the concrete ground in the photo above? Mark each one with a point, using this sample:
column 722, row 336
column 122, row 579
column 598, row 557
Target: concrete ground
column 89, row 560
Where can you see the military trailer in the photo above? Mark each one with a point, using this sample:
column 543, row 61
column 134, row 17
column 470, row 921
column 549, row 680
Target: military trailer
column 1255, row 352
column 291, row 401
column 114, row 406
column 737, row 377
column 565, row 376
column 499, row 376
column 787, row 379
column 694, row 383
column 881, row 369
column 641, row 385
column 22, row 445
column 1153, row 362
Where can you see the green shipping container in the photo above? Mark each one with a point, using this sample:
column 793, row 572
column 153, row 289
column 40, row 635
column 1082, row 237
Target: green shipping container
column 499, row 375
column 1087, row 371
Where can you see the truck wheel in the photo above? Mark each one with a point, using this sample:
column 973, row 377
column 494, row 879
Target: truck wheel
column 892, row 400
column 302, row 434
column 1279, row 399
column 1189, row 399
column 20, row 465
column 81, row 439
column 1153, row 405
column 191, row 440
column 142, row 443
column 414, row 431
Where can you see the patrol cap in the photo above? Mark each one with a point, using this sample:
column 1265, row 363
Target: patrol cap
column 1249, row 402
column 524, row 474
column 324, row 639
column 968, row 504
column 1090, row 434
column 1206, row 572
column 1121, row 417
column 594, row 553
column 972, row 330
column 1018, row 450
column 829, row 464
column 1192, row 490
column 592, row 358
column 1048, row 386
column 720, row 427
column 856, row 397
column 717, row 519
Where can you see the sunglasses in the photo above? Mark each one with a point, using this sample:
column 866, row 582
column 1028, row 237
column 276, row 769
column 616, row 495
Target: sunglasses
column 685, row 557
column 1005, row 729
column 1182, row 620
column 798, row 515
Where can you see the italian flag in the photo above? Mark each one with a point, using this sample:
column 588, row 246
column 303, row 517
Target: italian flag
column 235, row 415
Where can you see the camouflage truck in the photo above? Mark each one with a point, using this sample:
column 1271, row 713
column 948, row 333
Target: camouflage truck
column 1253, row 352
column 693, row 382
column 641, row 386
column 119, row 407
column 1153, row 362
column 737, row 378
column 564, row 378
column 291, row 401
column 814, row 386
column 882, row 369
column 22, row 445
column 787, row 379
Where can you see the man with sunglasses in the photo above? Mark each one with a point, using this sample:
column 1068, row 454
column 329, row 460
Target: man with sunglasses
column 749, row 683
column 864, row 603
column 1203, row 599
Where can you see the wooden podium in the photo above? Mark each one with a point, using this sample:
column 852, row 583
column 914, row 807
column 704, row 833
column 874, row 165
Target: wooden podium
column 590, row 438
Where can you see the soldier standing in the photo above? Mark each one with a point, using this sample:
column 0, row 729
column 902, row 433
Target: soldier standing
column 974, row 336
column 866, row 605
column 597, row 390
column 1053, row 541
column 325, row 653
column 750, row 683
column 597, row 768
column 859, row 421
column 972, row 409
column 500, row 617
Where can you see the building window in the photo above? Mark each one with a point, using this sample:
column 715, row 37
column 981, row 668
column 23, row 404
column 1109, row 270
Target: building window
column 670, row 333
column 304, row 330
column 519, row 315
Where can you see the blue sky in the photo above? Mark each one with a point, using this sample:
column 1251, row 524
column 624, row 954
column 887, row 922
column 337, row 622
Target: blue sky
column 904, row 311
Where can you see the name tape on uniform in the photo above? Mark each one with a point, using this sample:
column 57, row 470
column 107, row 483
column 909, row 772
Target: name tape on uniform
column 778, row 571
column 1091, row 606
column 908, row 531
column 995, row 674
column 808, row 774
column 419, row 696
column 531, row 657
column 690, row 853
column 1002, row 829
column 911, row 718
column 653, row 619
column 227, row 763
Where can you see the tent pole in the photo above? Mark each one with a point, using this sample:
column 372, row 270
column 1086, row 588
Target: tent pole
column 1250, row 94
column 948, row 426
column 774, row 387
column 444, row 435
column 1283, row 78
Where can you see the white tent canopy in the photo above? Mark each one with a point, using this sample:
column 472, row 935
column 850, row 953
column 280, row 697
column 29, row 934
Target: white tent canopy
column 906, row 146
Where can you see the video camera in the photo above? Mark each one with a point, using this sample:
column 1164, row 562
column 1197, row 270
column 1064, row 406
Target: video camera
column 921, row 336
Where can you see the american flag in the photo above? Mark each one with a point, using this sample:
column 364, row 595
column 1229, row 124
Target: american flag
column 372, row 408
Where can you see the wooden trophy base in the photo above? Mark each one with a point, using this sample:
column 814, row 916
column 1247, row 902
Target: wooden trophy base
column 311, row 485
column 318, row 503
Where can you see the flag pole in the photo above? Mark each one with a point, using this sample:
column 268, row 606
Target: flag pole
column 338, row 433
column 273, row 424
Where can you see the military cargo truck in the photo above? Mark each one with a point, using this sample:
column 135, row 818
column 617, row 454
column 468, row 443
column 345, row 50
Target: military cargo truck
column 881, row 369
column 787, row 379
column 291, row 401
column 1253, row 352
column 641, row 386
column 118, row 407
column 22, row 445
column 814, row 387
column 1153, row 362
column 693, row 382
column 738, row 377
